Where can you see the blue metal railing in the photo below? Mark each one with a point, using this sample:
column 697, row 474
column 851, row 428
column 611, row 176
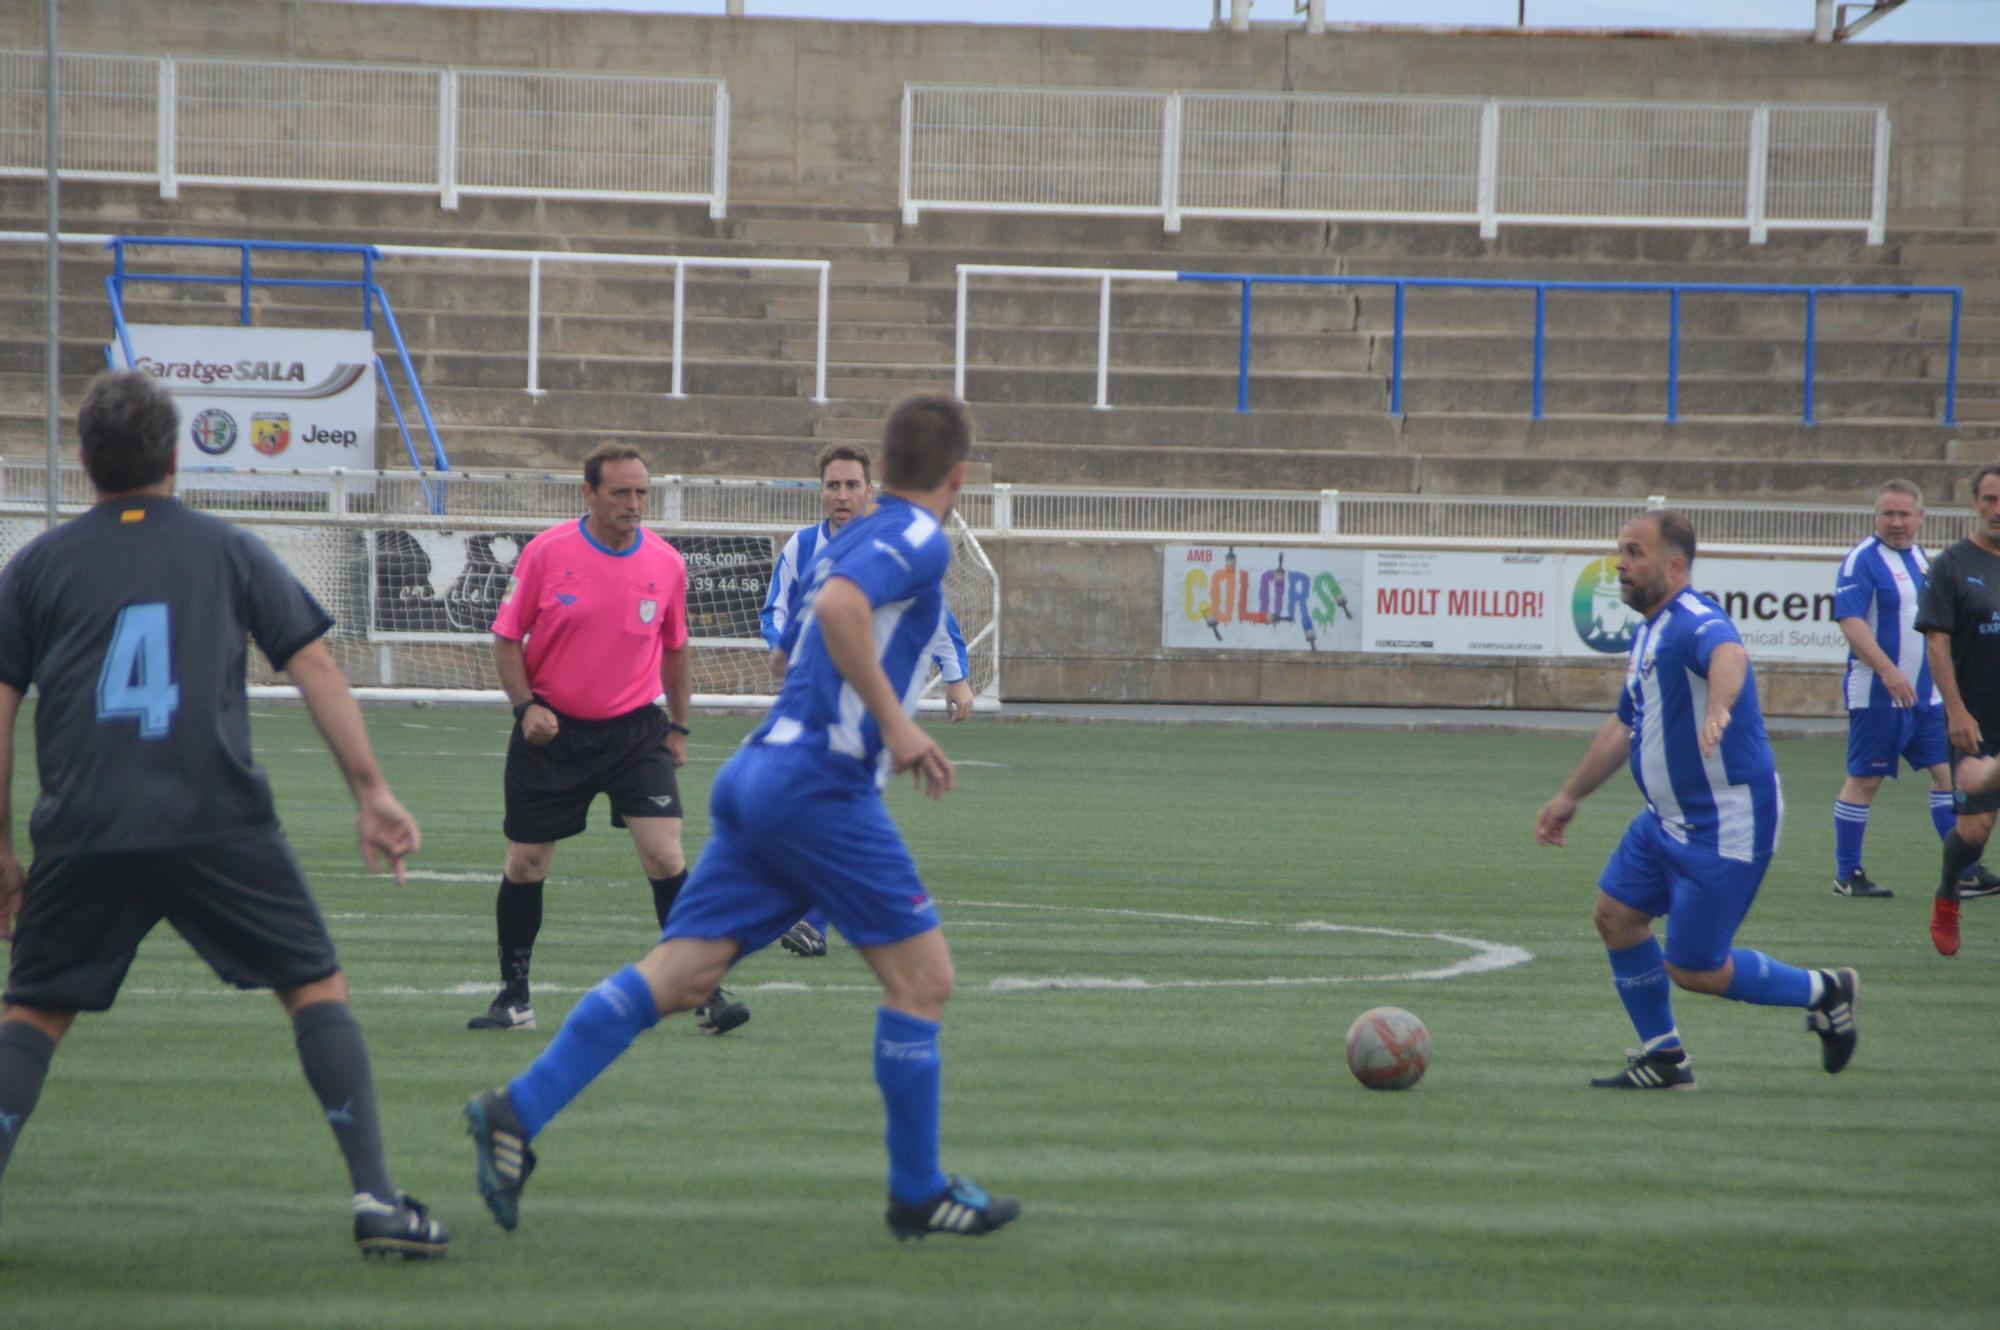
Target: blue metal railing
column 371, row 292
column 1673, row 290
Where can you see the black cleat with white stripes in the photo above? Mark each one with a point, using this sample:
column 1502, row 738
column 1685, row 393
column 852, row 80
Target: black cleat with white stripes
column 963, row 1207
column 1661, row 1069
column 1835, row 1018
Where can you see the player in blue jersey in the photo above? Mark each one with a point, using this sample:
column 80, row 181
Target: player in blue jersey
column 797, row 820
column 846, row 489
column 1894, row 710
column 1689, row 726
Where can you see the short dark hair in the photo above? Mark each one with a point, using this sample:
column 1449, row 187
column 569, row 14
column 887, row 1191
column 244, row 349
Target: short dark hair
column 1984, row 472
column 926, row 436
column 1676, row 532
column 845, row 452
column 129, row 429
column 593, row 465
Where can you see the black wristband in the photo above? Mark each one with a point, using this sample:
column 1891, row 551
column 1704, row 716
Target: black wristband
column 675, row 727
column 522, row 710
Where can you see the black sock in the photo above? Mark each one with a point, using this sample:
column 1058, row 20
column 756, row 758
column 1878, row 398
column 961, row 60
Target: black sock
column 1958, row 856
column 24, row 1064
column 335, row 1059
column 664, row 891
column 517, row 916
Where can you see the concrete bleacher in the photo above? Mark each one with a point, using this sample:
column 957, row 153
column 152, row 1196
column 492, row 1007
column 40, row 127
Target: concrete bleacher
column 1321, row 357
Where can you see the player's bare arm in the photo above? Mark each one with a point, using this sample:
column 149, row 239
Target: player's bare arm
column 510, row 662
column 847, row 622
column 1727, row 669
column 11, row 875
column 1869, row 652
column 1607, row 753
column 383, row 826
column 677, row 682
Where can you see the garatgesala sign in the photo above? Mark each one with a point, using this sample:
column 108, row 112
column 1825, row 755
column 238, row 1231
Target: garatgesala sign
column 269, row 398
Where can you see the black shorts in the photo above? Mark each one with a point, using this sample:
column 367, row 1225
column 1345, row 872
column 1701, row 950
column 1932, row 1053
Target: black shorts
column 1972, row 806
column 242, row 904
column 549, row 786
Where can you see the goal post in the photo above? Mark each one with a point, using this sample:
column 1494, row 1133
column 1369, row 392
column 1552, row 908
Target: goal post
column 412, row 567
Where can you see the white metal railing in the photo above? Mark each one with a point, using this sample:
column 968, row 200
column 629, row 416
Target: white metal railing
column 400, row 128
column 680, row 263
column 528, row 500
column 1490, row 161
column 1102, row 276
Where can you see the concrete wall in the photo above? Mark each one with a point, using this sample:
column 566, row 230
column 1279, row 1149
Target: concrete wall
column 816, row 104
column 1080, row 622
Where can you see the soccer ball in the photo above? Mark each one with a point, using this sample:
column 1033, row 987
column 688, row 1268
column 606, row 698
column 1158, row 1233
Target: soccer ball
column 1388, row 1048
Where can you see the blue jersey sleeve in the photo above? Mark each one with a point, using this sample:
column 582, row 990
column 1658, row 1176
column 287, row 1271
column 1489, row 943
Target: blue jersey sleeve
column 1854, row 592
column 954, row 654
column 1705, row 636
column 1628, row 714
column 777, row 600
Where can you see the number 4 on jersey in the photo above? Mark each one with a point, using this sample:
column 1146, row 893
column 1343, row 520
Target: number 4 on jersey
column 137, row 683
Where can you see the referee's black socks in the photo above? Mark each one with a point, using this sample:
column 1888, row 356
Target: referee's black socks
column 1959, row 857
column 517, row 917
column 664, row 891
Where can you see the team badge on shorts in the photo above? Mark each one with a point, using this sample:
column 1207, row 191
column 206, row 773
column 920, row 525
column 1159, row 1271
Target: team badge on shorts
column 647, row 609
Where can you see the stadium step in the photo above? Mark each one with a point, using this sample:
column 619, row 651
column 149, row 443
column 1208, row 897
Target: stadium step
column 805, row 231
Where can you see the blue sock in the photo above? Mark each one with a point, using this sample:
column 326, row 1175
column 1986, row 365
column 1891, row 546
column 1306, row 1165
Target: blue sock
column 1850, row 826
column 601, row 1028
column 817, row 918
column 1768, row 983
column 1641, row 972
column 911, row 1074
column 1942, row 816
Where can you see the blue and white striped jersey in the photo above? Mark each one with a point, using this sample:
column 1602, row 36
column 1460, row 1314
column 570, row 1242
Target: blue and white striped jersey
column 788, row 591
column 1728, row 803
column 897, row 554
column 1881, row 586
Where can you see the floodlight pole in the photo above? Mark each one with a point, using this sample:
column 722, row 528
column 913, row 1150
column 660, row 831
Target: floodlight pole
column 52, row 311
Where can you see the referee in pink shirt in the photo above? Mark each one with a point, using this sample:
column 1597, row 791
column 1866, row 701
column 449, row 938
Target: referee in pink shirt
column 593, row 627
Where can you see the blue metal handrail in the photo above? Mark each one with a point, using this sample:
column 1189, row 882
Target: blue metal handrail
column 1674, row 291
column 371, row 294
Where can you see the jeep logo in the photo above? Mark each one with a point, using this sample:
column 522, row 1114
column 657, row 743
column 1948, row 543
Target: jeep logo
column 339, row 438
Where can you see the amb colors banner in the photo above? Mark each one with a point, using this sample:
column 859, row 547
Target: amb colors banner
column 1447, row 602
column 1782, row 607
column 1243, row 598
column 265, row 397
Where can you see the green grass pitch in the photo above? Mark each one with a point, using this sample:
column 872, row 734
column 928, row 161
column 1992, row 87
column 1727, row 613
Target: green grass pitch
column 1190, row 1147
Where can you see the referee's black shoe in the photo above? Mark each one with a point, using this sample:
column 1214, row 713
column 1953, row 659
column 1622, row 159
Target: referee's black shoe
column 1858, row 883
column 720, row 1014
column 1979, row 880
column 510, row 1011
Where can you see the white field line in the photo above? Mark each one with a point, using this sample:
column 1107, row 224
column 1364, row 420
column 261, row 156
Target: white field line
column 1485, row 957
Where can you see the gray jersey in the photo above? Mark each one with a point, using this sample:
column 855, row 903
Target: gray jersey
column 133, row 622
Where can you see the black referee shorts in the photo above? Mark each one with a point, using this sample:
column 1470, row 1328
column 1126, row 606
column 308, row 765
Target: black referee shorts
column 550, row 786
column 241, row 904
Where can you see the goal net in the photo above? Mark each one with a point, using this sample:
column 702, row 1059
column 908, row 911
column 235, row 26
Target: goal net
column 412, row 567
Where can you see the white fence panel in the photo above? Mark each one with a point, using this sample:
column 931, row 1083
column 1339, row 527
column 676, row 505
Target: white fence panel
column 1821, row 165
column 110, row 115
column 313, row 126
column 1329, row 156
column 1073, row 150
column 588, row 135
column 1634, row 162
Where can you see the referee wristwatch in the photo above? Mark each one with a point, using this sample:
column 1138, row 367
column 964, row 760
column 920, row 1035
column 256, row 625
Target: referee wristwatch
column 675, row 727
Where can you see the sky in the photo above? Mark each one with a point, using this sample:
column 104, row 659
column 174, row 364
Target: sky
column 1916, row 21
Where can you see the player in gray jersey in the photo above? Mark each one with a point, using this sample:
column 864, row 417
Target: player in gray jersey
column 132, row 621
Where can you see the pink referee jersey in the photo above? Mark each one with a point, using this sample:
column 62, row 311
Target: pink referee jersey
column 596, row 621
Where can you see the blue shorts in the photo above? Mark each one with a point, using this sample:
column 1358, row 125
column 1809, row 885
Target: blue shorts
column 1704, row 895
column 1877, row 736
column 792, row 828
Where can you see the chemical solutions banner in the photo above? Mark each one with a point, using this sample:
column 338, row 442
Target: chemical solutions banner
column 1244, row 598
column 1782, row 607
column 265, row 397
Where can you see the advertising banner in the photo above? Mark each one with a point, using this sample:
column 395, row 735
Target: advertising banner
column 1782, row 607
column 1226, row 597
column 1448, row 602
column 265, row 397
column 445, row 586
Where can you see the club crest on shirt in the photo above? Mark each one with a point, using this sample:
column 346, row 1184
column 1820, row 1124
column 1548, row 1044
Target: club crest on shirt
column 647, row 610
